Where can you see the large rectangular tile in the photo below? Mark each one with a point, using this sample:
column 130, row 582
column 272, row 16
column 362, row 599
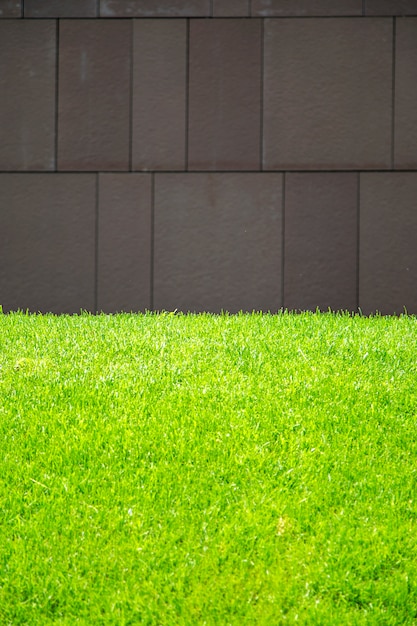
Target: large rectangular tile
column 391, row 7
column 10, row 8
column 47, row 242
column 94, row 94
column 124, row 242
column 321, row 241
column 218, row 242
column 159, row 94
column 60, row 8
column 153, row 8
column 231, row 8
column 327, row 93
column 300, row 8
column 27, row 85
column 405, row 138
column 388, row 236
column 224, row 94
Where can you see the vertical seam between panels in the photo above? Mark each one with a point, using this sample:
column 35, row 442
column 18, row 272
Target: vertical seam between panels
column 283, row 240
column 152, row 235
column 261, row 122
column 187, row 92
column 394, row 24
column 363, row 7
column 96, row 237
column 358, row 232
column 131, row 96
column 56, row 94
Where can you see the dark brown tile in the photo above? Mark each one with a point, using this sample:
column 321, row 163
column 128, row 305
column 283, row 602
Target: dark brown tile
column 60, row 8
column 27, row 85
column 151, row 8
column 218, row 242
column 327, row 93
column 405, row 141
column 321, row 241
column 94, row 94
column 388, row 235
column 124, row 242
column 231, row 8
column 159, row 94
column 224, row 94
column 287, row 8
column 390, row 7
column 47, row 239
column 10, row 8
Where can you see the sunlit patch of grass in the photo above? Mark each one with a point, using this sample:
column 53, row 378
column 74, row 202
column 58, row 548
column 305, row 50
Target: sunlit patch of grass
column 178, row 469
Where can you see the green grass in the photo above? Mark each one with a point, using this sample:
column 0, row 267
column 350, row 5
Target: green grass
column 171, row 469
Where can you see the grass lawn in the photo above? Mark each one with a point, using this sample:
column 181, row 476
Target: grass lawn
column 171, row 469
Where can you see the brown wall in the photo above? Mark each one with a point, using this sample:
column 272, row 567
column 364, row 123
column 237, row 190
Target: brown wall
column 208, row 155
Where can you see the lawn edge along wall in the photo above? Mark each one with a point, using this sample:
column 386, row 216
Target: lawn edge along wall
column 208, row 155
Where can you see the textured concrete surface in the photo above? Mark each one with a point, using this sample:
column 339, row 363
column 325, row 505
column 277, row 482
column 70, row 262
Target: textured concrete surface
column 27, row 87
column 94, row 94
column 47, row 242
column 231, row 8
column 10, row 8
column 60, row 8
column 124, row 242
column 224, row 95
column 405, row 155
column 155, row 8
column 391, row 7
column 305, row 8
column 328, row 93
column 218, row 242
column 321, row 215
column 208, row 154
column 388, row 236
column 159, row 94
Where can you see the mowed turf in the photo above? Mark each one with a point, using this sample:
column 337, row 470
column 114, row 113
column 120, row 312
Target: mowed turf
column 177, row 469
